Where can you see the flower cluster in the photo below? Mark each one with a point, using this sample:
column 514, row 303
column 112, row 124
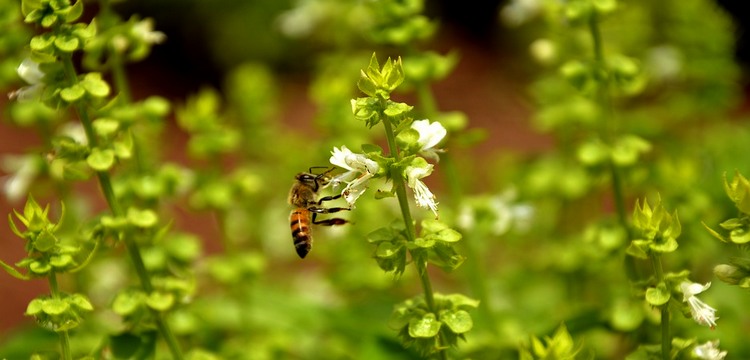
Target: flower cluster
column 361, row 168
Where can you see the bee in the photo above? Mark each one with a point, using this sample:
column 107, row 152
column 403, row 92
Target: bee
column 304, row 197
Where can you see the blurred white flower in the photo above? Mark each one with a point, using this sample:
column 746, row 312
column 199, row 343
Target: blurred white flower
column 501, row 210
column 664, row 62
column 701, row 312
column 359, row 171
column 518, row 12
column 302, row 20
column 709, row 351
column 430, row 134
column 144, row 30
column 22, row 170
column 30, row 72
column 422, row 194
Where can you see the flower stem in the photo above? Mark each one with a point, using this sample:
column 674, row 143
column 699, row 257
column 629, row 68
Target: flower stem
column 666, row 337
column 106, row 186
column 64, row 336
column 403, row 201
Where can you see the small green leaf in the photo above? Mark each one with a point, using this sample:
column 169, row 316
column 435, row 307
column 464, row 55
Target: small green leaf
column 424, row 242
column 106, row 127
column 27, row 6
column 81, row 302
column 127, row 303
column 714, row 233
column 45, row 241
column 94, row 85
column 74, row 12
column 142, row 218
column 39, row 267
column 407, row 138
column 41, row 42
column 73, row 93
column 160, row 301
column 34, row 307
column 739, row 236
column 55, row 306
column 387, row 249
column 49, row 20
column 659, row 295
column 123, row 147
column 101, row 160
column 425, row 327
column 397, row 110
column 458, row 321
column 67, row 44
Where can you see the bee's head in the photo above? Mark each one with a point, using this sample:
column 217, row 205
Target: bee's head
column 314, row 180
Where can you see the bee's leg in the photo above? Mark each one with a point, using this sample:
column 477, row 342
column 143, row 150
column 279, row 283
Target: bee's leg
column 329, row 198
column 331, row 221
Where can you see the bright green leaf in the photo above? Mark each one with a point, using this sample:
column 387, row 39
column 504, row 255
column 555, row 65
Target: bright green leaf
column 101, row 160
column 142, row 218
column 425, row 327
column 160, row 301
column 458, row 321
column 73, row 93
column 35, row 306
column 659, row 295
column 55, row 306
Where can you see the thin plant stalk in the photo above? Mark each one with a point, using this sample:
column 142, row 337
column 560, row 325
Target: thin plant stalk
column 133, row 251
column 666, row 336
column 64, row 335
column 403, row 201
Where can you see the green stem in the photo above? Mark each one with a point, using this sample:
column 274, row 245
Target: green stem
column 666, row 337
column 609, row 127
column 403, row 202
column 106, row 185
column 64, row 335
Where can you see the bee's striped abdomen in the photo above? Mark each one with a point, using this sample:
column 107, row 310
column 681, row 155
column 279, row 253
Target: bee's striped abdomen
column 300, row 222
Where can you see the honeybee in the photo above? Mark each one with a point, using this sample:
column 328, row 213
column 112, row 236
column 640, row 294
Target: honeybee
column 304, row 197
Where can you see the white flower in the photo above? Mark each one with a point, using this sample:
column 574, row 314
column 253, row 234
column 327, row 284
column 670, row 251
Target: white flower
column 144, row 30
column 24, row 170
column 430, row 134
column 702, row 313
column 422, row 194
column 709, row 351
column 30, row 72
column 359, row 171
column 518, row 12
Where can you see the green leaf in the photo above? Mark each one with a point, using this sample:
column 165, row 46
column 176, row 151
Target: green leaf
column 126, row 303
column 41, row 42
column 94, row 85
column 739, row 236
column 48, row 20
column 55, row 306
column 106, row 127
column 101, row 160
column 458, row 321
column 27, row 6
column 35, row 306
column 142, row 218
column 407, row 138
column 74, row 12
column 397, row 110
column 425, row 327
column 424, row 242
column 39, row 267
column 61, row 261
column 73, row 93
column 45, row 241
column 371, row 148
column 81, row 302
column 387, row 249
column 714, row 233
column 67, row 44
column 160, row 301
column 593, row 153
column 659, row 295
column 123, row 147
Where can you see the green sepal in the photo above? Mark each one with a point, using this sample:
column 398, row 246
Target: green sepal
column 123, row 147
column 128, row 302
column 95, row 85
column 160, row 301
column 27, row 6
column 407, row 139
column 48, row 20
column 73, row 93
column 74, row 12
column 39, row 268
column 459, row 321
column 54, row 306
column 67, row 43
column 81, row 302
column 659, row 295
column 101, row 159
column 371, row 149
column 396, row 110
column 740, row 236
column 637, row 248
column 61, row 261
column 34, row 307
column 145, row 218
column 628, row 148
column 426, row 326
column 714, row 233
column 106, row 127
column 45, row 241
column 738, row 191
column 40, row 43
